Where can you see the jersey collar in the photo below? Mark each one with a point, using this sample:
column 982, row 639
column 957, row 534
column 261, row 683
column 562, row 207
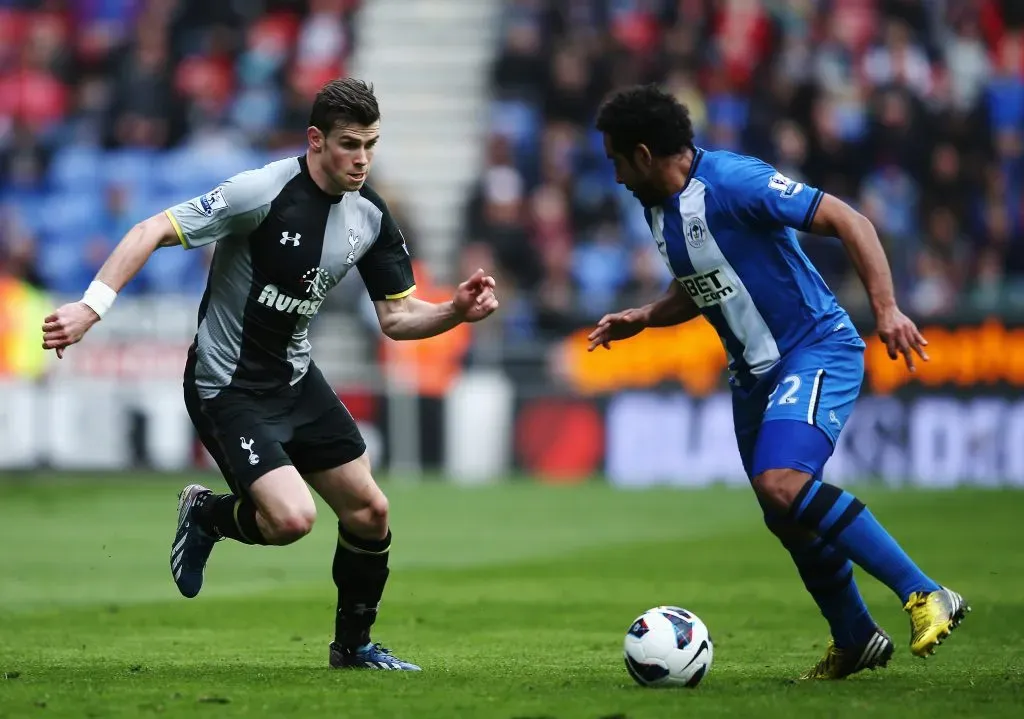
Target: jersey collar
column 698, row 153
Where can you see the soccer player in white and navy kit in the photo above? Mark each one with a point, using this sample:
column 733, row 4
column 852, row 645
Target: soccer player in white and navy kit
column 724, row 224
column 285, row 235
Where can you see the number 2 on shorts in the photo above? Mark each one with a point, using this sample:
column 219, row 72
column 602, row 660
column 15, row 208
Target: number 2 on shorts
column 792, row 383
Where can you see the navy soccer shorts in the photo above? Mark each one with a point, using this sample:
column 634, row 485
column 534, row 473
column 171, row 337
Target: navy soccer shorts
column 248, row 434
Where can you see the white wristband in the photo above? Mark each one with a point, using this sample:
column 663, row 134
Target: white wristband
column 99, row 298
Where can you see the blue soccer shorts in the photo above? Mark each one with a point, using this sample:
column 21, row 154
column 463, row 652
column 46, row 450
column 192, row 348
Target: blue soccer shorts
column 792, row 417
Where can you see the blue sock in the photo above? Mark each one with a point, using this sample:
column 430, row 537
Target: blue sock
column 828, row 577
column 842, row 520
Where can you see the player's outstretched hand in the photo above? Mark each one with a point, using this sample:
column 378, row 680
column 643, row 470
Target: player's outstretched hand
column 474, row 299
column 901, row 337
column 67, row 325
column 617, row 326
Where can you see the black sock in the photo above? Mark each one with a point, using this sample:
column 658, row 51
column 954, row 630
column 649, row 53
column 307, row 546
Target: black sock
column 225, row 515
column 360, row 573
column 828, row 577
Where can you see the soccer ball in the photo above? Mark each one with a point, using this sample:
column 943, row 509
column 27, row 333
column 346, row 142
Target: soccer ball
column 668, row 646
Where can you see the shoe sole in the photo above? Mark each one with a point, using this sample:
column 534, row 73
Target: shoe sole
column 363, row 667
column 925, row 647
column 378, row 668
column 336, row 662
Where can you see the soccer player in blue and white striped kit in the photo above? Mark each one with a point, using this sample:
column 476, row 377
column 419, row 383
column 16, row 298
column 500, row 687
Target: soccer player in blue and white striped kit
column 724, row 224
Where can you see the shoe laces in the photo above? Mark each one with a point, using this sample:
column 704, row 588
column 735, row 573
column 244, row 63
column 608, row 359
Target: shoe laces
column 377, row 648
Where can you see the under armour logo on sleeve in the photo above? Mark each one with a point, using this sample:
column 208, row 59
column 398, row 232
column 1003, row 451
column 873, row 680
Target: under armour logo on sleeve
column 286, row 238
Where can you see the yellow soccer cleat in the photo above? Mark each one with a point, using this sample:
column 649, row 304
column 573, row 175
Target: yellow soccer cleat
column 841, row 663
column 933, row 615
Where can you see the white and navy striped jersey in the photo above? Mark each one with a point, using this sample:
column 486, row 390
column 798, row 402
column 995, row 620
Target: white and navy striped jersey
column 282, row 243
column 728, row 239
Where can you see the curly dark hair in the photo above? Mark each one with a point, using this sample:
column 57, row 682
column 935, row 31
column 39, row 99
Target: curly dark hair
column 646, row 115
column 345, row 100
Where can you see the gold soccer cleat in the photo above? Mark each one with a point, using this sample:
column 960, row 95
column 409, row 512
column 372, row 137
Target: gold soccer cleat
column 841, row 663
column 933, row 615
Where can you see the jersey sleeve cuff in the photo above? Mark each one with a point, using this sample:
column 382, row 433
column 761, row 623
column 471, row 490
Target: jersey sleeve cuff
column 401, row 295
column 177, row 229
column 812, row 210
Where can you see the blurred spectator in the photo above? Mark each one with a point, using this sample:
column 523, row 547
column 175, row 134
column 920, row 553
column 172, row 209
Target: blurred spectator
column 111, row 110
column 899, row 60
column 911, row 110
column 21, row 302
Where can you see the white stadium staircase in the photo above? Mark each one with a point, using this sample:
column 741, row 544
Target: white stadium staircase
column 429, row 62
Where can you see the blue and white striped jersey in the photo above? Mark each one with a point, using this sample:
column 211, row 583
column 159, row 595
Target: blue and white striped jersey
column 728, row 238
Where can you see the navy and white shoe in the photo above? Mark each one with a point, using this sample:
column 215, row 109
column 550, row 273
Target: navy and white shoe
column 191, row 546
column 371, row 656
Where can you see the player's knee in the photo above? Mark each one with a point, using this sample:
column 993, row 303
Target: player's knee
column 374, row 518
column 779, row 487
column 371, row 520
column 378, row 515
column 293, row 523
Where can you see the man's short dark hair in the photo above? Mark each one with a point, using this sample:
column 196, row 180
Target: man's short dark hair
column 346, row 101
column 646, row 115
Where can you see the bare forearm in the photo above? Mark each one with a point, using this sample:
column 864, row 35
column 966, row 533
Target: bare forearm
column 869, row 260
column 417, row 320
column 131, row 254
column 836, row 219
column 674, row 308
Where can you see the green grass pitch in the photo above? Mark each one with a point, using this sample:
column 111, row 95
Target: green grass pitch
column 514, row 598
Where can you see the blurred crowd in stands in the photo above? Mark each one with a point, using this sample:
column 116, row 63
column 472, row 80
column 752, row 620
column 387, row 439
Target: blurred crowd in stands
column 111, row 110
column 911, row 110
